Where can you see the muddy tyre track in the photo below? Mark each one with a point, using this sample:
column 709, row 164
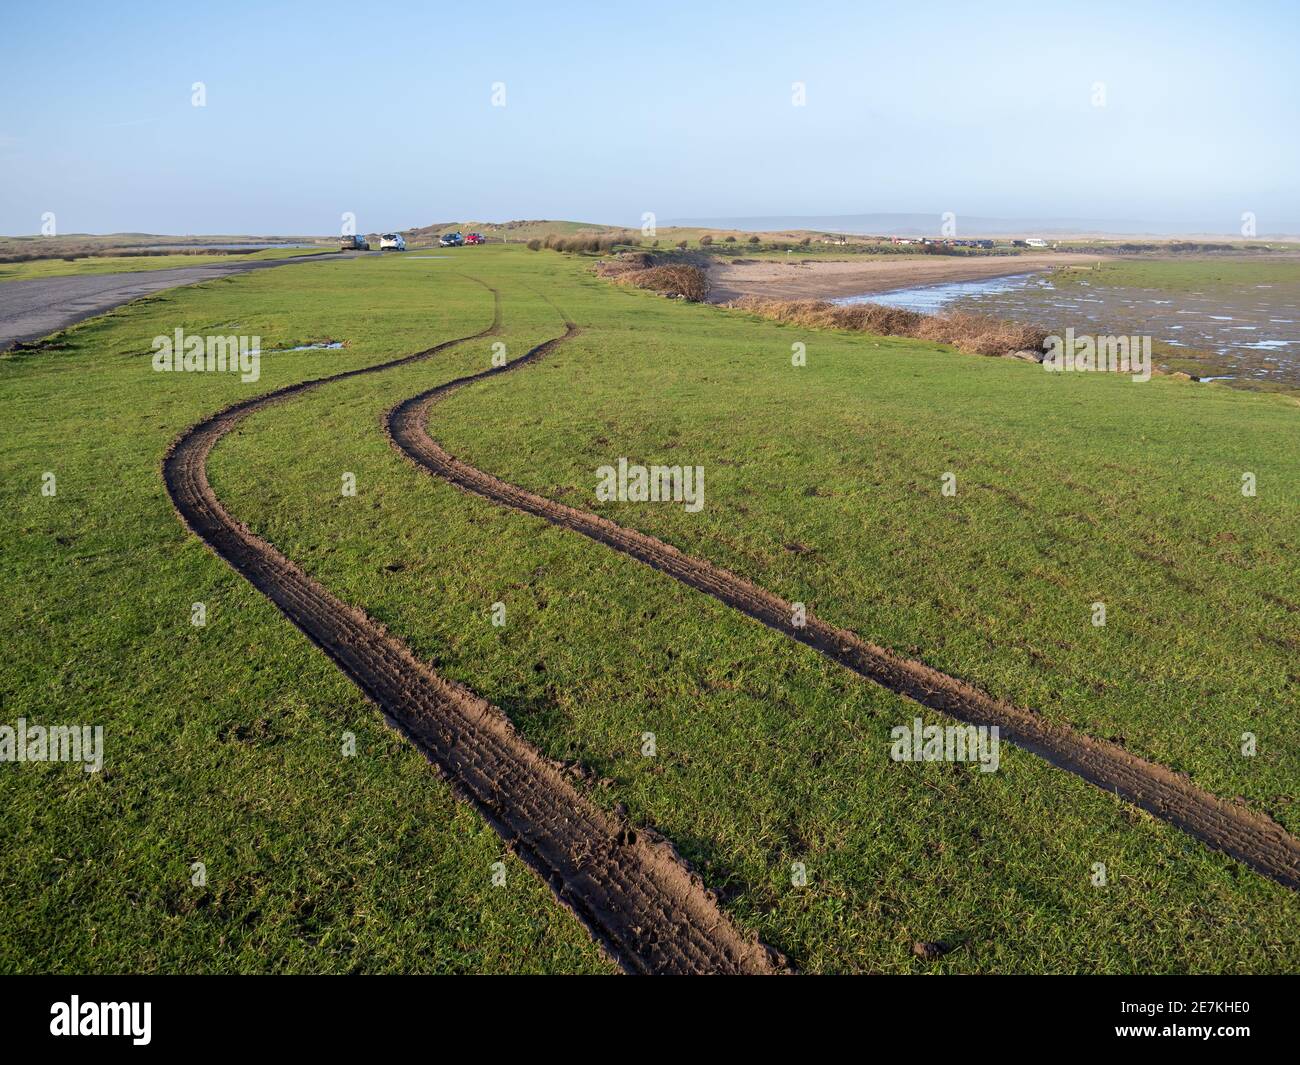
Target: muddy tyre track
column 632, row 891
column 1251, row 837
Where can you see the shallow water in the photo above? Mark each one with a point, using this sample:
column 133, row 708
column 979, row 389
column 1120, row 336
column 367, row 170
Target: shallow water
column 1251, row 330
column 928, row 299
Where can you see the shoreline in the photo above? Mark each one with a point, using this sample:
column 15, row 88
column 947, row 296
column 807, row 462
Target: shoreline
column 826, row 279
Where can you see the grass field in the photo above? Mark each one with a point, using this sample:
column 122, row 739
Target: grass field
column 1207, row 275
column 223, row 743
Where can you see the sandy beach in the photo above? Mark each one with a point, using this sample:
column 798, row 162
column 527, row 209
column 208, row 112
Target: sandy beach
column 829, row 279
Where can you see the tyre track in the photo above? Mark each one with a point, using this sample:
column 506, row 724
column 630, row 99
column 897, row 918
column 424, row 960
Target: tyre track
column 1251, row 837
column 630, row 888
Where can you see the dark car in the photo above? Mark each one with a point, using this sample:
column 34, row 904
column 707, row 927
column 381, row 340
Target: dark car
column 354, row 244
column 451, row 240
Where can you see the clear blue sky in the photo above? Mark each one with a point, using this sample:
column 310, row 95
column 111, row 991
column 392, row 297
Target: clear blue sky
column 614, row 109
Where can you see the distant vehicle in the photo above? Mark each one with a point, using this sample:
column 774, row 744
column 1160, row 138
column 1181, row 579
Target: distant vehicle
column 1035, row 242
column 354, row 244
column 475, row 238
column 451, row 240
column 392, row 242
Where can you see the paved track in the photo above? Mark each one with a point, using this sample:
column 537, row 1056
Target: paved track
column 33, row 309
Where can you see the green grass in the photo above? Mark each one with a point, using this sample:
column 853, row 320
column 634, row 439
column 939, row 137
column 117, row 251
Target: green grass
column 224, row 741
column 1213, row 275
column 223, row 744
column 1131, row 497
column 130, row 264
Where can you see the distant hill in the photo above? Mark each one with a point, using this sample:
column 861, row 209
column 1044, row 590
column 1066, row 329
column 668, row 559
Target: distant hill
column 521, row 230
column 930, row 225
column 818, row 231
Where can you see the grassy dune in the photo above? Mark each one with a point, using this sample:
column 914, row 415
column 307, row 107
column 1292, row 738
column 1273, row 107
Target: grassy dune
column 822, row 482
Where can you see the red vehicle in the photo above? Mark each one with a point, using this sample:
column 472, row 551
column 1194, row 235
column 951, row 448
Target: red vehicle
column 475, row 238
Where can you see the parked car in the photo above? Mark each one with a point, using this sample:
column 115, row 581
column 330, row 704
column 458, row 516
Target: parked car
column 451, row 240
column 354, row 244
column 392, row 242
column 1036, row 242
column 475, row 238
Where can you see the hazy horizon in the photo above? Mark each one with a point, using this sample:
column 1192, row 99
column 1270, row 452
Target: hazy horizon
column 903, row 224
column 930, row 224
column 1173, row 116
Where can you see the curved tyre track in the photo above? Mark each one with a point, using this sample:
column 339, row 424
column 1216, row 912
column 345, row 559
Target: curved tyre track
column 633, row 892
column 1251, row 837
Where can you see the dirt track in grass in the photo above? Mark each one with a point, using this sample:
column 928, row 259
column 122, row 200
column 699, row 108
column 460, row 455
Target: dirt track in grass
column 630, row 888
column 1250, row 837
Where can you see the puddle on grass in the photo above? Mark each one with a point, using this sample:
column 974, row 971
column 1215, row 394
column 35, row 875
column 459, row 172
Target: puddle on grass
column 324, row 345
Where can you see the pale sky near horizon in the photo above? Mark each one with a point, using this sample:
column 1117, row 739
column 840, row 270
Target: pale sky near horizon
column 612, row 110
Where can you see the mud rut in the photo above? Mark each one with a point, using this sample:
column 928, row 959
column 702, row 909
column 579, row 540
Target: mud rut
column 1251, row 837
column 636, row 896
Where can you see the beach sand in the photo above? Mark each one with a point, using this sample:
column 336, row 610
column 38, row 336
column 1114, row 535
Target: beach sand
column 797, row 278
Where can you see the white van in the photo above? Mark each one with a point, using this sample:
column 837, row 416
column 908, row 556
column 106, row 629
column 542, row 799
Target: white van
column 392, row 242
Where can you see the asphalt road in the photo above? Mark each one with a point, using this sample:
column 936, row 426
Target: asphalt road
column 33, row 309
